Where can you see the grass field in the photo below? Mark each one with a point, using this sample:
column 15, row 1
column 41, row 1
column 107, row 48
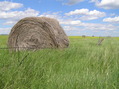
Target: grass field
column 83, row 65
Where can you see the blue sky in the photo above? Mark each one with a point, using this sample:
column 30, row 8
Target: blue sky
column 77, row 17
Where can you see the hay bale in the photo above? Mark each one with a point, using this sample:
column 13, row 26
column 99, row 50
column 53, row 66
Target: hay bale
column 37, row 33
column 83, row 36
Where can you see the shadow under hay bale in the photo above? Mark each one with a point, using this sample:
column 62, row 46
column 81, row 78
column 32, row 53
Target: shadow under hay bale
column 37, row 33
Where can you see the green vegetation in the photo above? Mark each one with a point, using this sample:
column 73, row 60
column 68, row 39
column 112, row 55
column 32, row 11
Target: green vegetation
column 83, row 65
column 3, row 41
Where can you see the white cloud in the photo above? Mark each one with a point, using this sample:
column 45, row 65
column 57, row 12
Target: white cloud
column 5, row 30
column 87, row 26
column 98, row 27
column 114, row 19
column 71, row 22
column 77, row 12
column 89, row 17
column 6, row 6
column 9, row 22
column 16, row 15
column 10, row 16
column 107, row 4
column 70, row 28
column 55, row 15
column 85, row 14
column 13, row 16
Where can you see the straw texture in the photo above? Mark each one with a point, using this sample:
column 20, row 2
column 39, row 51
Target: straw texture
column 34, row 33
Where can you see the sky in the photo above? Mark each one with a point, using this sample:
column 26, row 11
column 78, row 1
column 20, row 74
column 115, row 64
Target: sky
column 77, row 17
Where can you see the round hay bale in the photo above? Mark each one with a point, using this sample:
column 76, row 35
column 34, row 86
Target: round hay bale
column 37, row 33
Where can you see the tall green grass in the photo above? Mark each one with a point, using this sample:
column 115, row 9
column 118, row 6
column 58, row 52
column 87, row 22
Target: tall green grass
column 83, row 65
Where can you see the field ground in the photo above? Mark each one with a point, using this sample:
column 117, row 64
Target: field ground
column 84, row 65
